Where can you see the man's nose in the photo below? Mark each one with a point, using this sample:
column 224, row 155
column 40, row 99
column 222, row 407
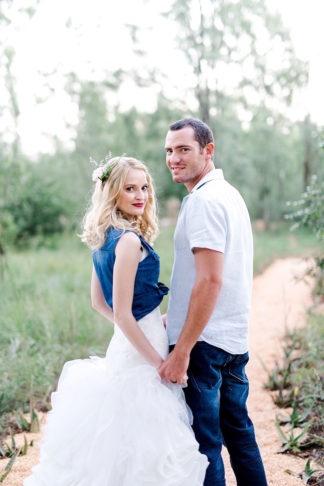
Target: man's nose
column 174, row 158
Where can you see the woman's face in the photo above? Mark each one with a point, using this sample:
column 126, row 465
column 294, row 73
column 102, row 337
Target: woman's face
column 134, row 194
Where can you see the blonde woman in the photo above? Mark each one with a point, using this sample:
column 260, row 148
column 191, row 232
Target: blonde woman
column 113, row 422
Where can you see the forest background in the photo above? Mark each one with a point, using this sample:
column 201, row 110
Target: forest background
column 243, row 77
column 238, row 72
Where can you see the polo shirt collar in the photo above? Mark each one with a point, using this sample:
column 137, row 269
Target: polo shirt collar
column 213, row 175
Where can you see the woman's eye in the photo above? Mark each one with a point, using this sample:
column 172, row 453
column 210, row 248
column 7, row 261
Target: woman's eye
column 129, row 189
column 144, row 188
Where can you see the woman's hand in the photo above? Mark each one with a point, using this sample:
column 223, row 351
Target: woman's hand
column 174, row 368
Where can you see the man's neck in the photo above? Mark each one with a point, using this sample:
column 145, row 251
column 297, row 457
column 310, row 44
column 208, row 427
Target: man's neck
column 191, row 184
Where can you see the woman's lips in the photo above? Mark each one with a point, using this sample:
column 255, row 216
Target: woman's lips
column 139, row 205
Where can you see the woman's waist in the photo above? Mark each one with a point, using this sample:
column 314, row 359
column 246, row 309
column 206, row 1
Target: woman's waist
column 153, row 328
column 152, row 319
column 146, row 299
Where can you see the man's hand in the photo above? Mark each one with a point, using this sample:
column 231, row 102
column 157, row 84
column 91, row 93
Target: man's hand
column 174, row 368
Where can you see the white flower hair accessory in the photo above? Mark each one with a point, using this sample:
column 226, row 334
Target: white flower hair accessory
column 103, row 170
column 97, row 173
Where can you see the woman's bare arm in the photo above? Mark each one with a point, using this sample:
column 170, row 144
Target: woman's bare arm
column 128, row 255
column 97, row 298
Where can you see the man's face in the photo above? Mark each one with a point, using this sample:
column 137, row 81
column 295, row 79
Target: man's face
column 185, row 158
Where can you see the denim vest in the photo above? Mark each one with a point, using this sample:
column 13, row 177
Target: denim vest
column 148, row 291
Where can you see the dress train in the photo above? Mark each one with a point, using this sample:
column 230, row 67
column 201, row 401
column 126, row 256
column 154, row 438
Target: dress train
column 114, row 423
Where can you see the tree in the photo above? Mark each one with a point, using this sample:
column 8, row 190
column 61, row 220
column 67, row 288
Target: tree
column 11, row 160
column 244, row 73
column 273, row 165
column 230, row 47
column 310, row 141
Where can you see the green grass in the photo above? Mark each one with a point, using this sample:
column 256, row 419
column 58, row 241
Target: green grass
column 46, row 317
column 279, row 243
column 304, row 392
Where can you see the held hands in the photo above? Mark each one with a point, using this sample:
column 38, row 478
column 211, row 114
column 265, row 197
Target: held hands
column 164, row 320
column 174, row 368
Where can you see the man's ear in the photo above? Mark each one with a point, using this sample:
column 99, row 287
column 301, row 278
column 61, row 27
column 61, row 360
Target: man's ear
column 210, row 149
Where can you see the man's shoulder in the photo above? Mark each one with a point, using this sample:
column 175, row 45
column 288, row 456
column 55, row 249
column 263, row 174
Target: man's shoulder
column 216, row 198
column 216, row 191
column 211, row 193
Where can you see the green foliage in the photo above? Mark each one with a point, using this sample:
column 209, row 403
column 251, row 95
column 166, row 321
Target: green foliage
column 308, row 372
column 46, row 319
column 292, row 442
column 278, row 379
column 220, row 38
column 261, row 152
column 272, row 166
column 305, row 392
column 309, row 210
column 11, row 450
column 93, row 132
column 278, row 242
column 46, row 316
column 284, row 399
column 8, row 468
column 37, row 207
column 309, row 474
column 295, row 419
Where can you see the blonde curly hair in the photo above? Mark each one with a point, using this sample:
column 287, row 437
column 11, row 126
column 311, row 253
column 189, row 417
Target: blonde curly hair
column 104, row 212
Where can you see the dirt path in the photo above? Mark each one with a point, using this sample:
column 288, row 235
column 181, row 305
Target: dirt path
column 278, row 302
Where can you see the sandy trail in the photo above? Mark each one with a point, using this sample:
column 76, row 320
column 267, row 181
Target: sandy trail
column 279, row 302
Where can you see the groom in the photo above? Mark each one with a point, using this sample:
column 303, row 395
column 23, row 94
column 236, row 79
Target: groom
column 207, row 318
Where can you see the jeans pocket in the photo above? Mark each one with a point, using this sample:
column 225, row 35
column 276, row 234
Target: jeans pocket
column 193, row 381
column 206, row 381
column 241, row 379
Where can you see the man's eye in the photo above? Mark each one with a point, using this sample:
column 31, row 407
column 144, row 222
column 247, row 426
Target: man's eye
column 168, row 152
column 185, row 149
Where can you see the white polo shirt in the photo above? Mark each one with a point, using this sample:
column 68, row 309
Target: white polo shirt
column 214, row 216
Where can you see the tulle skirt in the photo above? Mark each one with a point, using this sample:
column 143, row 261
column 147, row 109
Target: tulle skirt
column 114, row 423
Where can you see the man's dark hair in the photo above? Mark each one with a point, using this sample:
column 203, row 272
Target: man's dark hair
column 202, row 133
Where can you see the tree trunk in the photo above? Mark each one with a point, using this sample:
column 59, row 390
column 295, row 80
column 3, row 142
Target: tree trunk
column 307, row 162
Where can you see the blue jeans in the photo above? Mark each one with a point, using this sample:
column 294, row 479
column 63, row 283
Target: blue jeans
column 217, row 392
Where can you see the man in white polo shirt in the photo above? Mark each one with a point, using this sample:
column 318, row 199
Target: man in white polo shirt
column 207, row 319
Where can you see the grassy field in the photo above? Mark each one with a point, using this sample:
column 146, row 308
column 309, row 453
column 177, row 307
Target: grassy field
column 280, row 242
column 46, row 316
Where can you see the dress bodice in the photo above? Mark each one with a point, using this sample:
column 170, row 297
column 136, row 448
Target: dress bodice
column 148, row 291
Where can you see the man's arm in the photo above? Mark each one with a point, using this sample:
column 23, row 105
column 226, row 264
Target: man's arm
column 204, row 295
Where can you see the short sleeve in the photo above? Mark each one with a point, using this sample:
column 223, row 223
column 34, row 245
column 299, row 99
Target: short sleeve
column 206, row 224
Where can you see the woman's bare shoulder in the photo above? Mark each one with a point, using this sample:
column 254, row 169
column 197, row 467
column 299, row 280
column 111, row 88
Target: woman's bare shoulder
column 128, row 242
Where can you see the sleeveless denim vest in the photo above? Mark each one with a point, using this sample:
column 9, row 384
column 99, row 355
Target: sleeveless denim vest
column 148, row 291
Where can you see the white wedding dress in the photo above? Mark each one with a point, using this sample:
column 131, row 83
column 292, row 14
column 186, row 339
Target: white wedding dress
column 114, row 423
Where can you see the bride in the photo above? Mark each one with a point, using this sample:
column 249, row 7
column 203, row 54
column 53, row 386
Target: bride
column 113, row 422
